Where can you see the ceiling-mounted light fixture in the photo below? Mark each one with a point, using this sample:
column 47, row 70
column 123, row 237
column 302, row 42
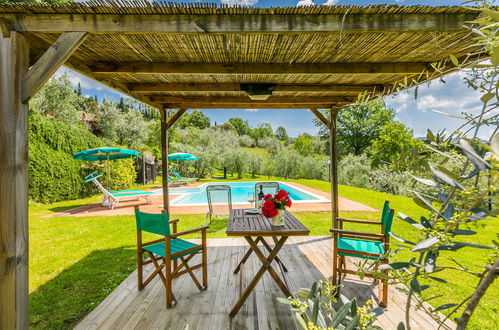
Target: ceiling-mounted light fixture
column 258, row 92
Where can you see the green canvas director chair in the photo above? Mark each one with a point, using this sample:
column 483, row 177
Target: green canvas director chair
column 364, row 245
column 169, row 252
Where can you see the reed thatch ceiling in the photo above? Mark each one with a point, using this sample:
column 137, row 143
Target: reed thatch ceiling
column 198, row 55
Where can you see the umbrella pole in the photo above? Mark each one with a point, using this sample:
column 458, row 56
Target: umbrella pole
column 108, row 174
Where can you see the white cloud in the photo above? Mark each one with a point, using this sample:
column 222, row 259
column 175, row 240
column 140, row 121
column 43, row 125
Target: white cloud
column 305, row 3
column 75, row 78
column 331, row 3
column 239, row 2
column 251, row 110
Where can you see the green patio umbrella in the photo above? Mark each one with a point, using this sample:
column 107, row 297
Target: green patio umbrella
column 179, row 156
column 107, row 154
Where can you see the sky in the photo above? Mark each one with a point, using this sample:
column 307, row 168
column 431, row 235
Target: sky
column 453, row 96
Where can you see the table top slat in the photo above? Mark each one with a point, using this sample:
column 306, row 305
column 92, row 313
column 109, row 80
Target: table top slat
column 242, row 224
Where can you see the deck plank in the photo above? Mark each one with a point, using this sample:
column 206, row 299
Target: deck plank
column 307, row 258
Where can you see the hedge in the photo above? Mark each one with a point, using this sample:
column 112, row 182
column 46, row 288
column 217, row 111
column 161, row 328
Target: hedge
column 53, row 174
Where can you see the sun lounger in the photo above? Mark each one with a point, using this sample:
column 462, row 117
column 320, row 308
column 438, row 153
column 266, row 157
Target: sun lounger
column 111, row 199
column 180, row 178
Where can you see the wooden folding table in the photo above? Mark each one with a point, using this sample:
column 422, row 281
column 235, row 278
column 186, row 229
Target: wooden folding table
column 254, row 227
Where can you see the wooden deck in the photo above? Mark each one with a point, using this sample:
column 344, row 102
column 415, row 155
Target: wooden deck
column 307, row 258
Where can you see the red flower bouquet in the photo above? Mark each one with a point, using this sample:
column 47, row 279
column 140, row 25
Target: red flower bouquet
column 273, row 204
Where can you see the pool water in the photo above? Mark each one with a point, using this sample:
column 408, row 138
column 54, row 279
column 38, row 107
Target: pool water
column 240, row 192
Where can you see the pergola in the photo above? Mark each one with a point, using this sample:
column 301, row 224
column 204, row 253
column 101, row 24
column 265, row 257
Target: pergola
column 184, row 56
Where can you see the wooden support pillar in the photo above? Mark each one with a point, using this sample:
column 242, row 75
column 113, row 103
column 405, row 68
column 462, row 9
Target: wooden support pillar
column 14, row 64
column 164, row 156
column 333, row 165
column 333, row 171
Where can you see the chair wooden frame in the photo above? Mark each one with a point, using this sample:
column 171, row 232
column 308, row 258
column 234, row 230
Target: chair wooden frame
column 211, row 213
column 177, row 270
column 339, row 261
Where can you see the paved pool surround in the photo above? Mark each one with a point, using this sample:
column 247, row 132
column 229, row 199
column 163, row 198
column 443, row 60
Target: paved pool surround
column 126, row 207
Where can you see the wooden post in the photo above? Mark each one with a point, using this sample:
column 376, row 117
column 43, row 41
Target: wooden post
column 334, row 190
column 14, row 64
column 164, row 156
column 333, row 166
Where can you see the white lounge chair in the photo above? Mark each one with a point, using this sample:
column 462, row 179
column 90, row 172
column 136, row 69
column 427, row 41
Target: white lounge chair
column 113, row 199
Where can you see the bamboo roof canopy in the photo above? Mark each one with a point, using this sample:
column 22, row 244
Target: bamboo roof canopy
column 207, row 56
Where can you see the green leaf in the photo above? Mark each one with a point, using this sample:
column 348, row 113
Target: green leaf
column 400, row 239
column 454, row 60
column 284, row 300
column 494, row 143
column 353, row 323
column 444, row 306
column 445, row 178
column 427, row 182
column 471, row 154
column 315, row 310
column 340, row 315
column 313, row 290
column 487, row 97
column 426, row 244
column 353, row 309
column 463, row 232
column 301, row 321
column 449, row 211
column 426, row 223
column 415, row 285
column 410, row 221
column 401, row 326
column 430, row 136
column 421, row 201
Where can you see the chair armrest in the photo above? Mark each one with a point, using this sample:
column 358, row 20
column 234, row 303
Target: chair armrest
column 359, row 221
column 173, row 220
column 153, row 242
column 357, row 233
column 189, row 231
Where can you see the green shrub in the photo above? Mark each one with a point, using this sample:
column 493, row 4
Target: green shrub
column 53, row 174
column 354, row 171
column 122, row 173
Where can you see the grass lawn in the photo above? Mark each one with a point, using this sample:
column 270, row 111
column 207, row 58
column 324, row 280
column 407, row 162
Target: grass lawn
column 76, row 262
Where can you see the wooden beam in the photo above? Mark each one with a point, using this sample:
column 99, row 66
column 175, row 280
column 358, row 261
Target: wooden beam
column 247, row 100
column 354, row 89
column 50, row 61
column 175, row 117
column 14, row 63
column 251, row 106
column 321, row 117
column 260, row 68
column 164, row 159
column 225, row 23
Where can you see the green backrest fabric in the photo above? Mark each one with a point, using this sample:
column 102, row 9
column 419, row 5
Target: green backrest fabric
column 387, row 218
column 153, row 223
column 177, row 175
column 386, row 210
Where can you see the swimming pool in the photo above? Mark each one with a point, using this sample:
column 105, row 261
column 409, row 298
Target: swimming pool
column 240, row 192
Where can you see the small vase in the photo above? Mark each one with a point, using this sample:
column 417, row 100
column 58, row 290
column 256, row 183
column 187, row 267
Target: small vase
column 278, row 220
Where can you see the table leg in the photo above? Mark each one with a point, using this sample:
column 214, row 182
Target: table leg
column 267, row 246
column 246, row 256
column 266, row 266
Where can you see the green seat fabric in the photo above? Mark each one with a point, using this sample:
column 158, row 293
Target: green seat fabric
column 177, row 245
column 358, row 245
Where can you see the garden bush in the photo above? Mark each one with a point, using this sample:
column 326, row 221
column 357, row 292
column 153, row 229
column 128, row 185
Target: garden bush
column 53, row 174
